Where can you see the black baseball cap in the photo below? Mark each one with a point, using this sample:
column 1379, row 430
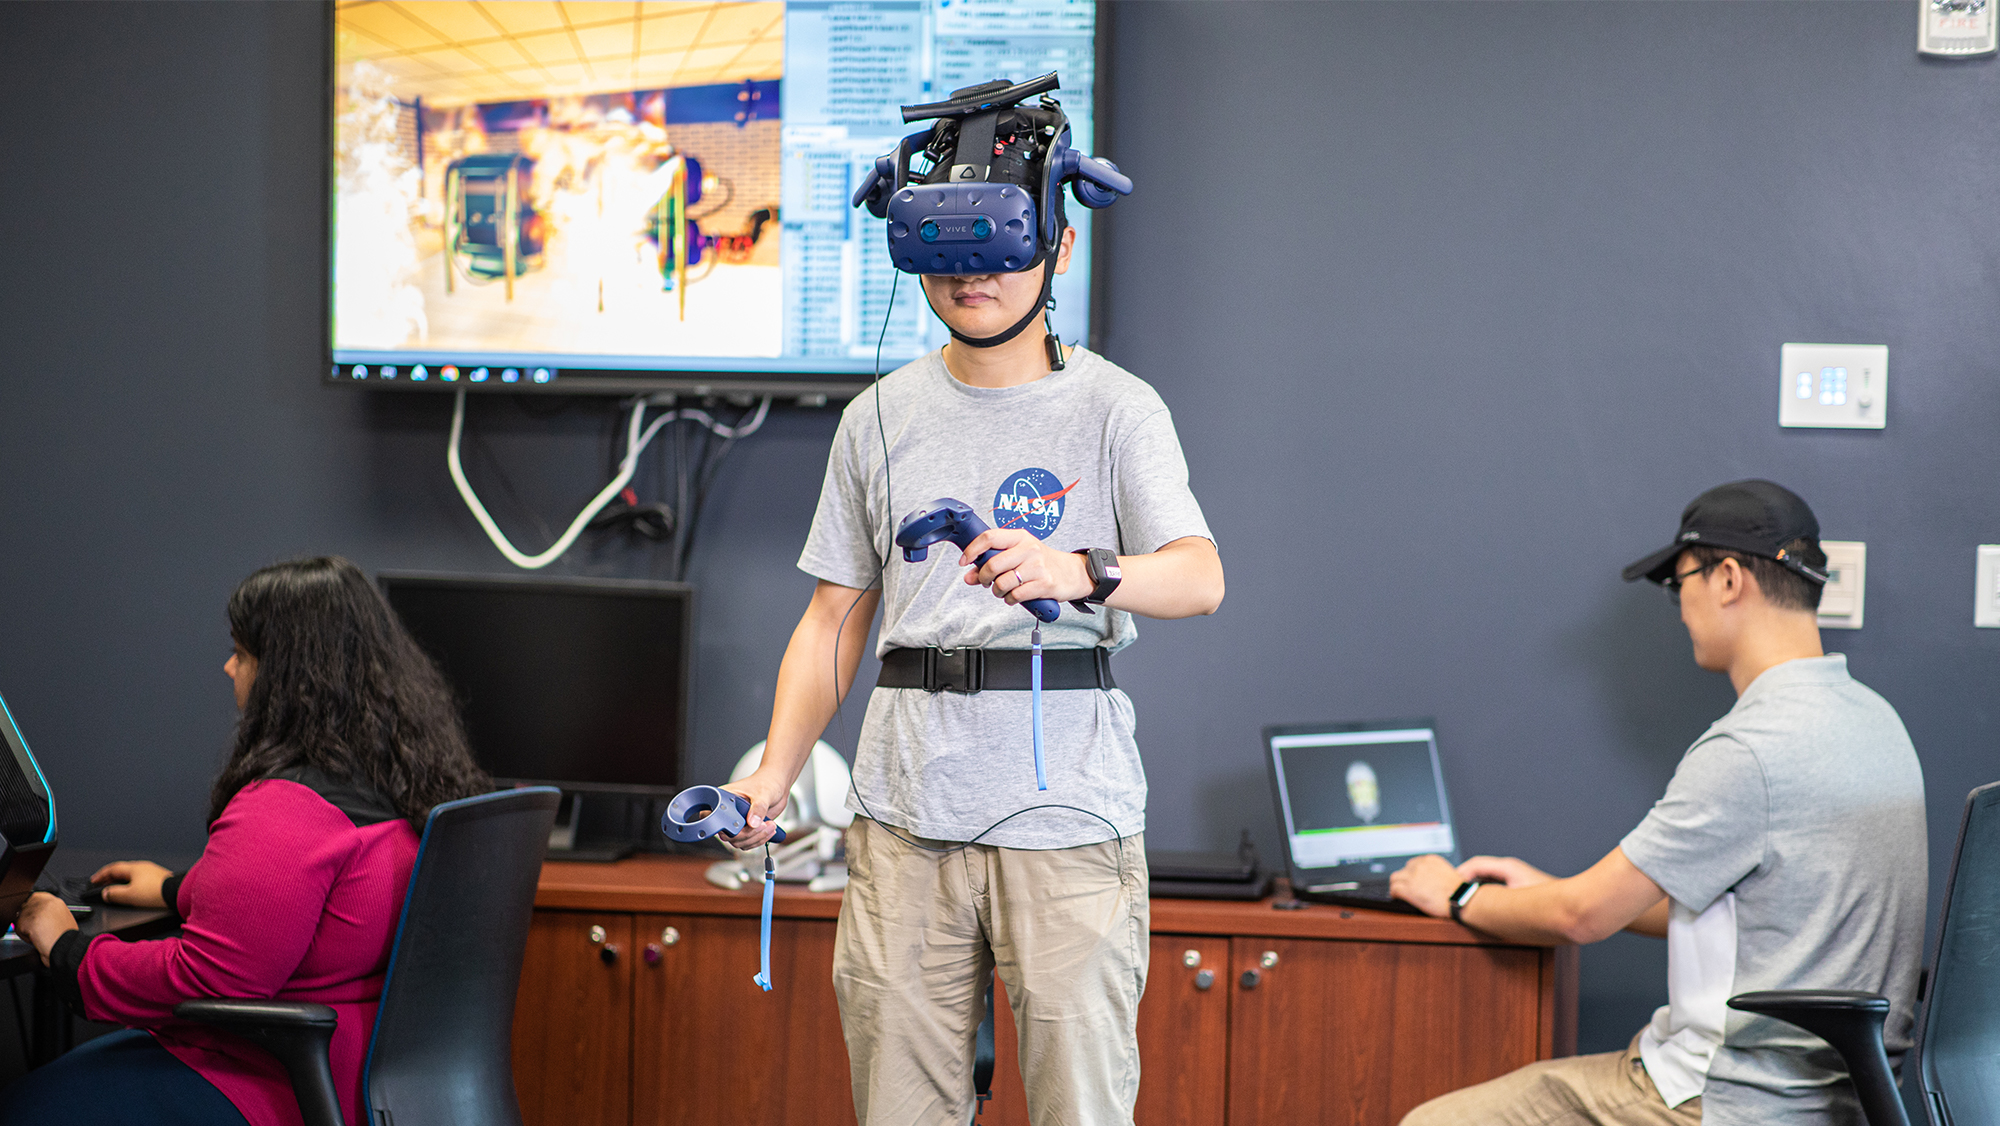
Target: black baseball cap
column 1754, row 517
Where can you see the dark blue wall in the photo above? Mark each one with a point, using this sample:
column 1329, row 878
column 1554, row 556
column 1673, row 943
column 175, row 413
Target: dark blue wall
column 1456, row 305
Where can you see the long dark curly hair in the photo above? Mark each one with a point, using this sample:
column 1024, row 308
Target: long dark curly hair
column 342, row 686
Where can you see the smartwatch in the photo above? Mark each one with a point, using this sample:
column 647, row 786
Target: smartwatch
column 1462, row 896
column 1101, row 563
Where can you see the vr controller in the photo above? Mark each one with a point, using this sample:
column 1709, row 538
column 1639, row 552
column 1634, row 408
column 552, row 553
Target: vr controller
column 699, row 812
column 952, row 521
column 990, row 200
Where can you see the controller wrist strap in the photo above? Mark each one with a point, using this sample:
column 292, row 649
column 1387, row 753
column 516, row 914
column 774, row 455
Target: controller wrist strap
column 763, row 977
column 1041, row 304
column 1035, row 703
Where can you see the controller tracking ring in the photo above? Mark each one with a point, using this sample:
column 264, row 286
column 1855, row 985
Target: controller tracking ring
column 714, row 809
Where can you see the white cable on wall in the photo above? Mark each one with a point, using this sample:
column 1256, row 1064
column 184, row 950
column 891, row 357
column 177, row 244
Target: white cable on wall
column 635, row 444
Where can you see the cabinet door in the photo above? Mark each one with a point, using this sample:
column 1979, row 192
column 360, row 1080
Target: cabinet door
column 1183, row 1040
column 704, row 1033
column 1184, row 1033
column 1361, row 1032
column 573, row 1020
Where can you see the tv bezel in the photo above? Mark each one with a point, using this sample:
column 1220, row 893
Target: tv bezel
column 539, row 583
column 806, row 386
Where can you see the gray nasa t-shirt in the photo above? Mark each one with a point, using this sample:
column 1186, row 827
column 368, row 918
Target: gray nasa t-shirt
column 1084, row 457
column 1791, row 841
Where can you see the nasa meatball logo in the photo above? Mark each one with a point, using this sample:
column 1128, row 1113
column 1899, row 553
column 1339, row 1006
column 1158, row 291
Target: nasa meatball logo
column 1032, row 499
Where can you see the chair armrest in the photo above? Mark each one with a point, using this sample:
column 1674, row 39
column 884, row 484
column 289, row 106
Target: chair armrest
column 1778, row 1002
column 298, row 1033
column 1849, row 1020
column 235, row 1014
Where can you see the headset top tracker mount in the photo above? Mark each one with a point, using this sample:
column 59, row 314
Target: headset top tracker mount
column 989, row 199
column 948, row 520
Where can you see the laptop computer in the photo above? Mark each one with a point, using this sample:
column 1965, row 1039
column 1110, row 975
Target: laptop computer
column 27, row 820
column 1355, row 801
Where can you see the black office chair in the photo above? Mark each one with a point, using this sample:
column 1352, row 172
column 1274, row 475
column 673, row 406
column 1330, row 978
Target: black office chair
column 442, row 1047
column 1960, row 1033
column 27, row 820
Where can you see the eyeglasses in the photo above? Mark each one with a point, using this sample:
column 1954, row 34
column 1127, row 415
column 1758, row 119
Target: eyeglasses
column 1673, row 583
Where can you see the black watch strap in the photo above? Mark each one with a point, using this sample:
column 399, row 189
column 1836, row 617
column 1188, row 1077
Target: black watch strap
column 1101, row 563
column 1461, row 896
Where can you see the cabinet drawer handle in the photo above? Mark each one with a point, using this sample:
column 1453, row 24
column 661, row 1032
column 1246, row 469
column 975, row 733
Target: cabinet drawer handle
column 670, row 936
column 608, row 952
column 1251, row 978
column 1204, row 979
column 597, row 936
column 1191, row 959
column 1269, row 959
column 652, row 953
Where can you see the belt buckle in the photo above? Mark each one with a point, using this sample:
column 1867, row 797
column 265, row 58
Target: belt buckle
column 954, row 670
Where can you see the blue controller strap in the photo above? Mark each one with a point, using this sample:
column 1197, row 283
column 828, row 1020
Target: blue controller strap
column 763, row 977
column 700, row 812
column 1035, row 702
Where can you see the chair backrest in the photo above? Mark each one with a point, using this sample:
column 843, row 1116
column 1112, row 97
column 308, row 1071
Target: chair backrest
column 1960, row 1037
column 441, row 1052
column 27, row 820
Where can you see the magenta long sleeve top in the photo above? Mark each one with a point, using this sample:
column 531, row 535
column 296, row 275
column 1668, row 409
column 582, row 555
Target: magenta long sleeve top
column 290, row 900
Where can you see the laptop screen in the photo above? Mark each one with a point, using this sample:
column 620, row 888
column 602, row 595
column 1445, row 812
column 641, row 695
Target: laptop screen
column 1351, row 796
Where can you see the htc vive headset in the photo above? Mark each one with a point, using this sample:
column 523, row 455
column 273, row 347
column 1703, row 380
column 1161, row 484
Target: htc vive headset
column 988, row 197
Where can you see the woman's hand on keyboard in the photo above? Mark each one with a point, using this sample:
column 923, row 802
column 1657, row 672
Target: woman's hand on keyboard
column 132, row 883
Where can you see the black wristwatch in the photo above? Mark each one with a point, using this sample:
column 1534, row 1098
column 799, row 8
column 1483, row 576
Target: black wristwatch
column 1101, row 563
column 1462, row 896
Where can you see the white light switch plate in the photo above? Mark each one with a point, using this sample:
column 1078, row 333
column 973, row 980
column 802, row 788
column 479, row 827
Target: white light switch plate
column 1842, row 600
column 1986, row 587
column 1844, row 386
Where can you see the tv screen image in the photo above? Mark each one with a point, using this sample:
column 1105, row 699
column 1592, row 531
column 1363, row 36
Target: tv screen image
column 614, row 196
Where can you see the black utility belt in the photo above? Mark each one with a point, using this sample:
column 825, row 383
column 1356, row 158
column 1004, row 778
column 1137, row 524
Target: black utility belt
column 995, row 670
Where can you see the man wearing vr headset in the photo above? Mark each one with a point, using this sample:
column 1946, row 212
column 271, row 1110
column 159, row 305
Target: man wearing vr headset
column 1789, row 852
column 958, row 864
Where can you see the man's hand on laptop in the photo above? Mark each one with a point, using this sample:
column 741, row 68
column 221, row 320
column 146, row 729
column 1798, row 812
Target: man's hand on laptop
column 1503, row 870
column 1426, row 882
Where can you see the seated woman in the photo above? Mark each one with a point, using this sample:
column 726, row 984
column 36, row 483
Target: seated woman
column 348, row 737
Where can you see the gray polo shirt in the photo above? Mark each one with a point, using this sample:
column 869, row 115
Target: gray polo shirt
column 1791, row 842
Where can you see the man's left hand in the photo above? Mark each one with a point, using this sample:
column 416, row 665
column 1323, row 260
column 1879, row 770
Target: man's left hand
column 1426, row 883
column 1025, row 568
column 44, row 918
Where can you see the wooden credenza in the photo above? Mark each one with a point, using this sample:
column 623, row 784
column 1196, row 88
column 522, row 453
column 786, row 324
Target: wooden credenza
column 637, row 1009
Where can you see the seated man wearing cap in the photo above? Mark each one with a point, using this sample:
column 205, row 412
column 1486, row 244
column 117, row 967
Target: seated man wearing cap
column 1787, row 853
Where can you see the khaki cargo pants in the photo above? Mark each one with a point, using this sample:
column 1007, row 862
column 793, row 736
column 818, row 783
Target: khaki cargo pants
column 1606, row 1089
column 920, row 932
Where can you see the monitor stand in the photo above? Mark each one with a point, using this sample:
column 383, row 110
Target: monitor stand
column 562, row 838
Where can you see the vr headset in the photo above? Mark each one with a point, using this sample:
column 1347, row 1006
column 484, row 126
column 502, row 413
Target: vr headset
column 987, row 195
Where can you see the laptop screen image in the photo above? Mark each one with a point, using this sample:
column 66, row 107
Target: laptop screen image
column 1352, row 796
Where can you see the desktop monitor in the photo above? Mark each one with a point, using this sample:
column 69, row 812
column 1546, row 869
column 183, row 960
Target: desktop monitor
column 611, row 197
column 577, row 683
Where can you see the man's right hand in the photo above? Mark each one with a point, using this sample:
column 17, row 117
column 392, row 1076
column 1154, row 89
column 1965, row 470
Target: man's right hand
column 768, row 797
column 1506, row 871
column 132, row 883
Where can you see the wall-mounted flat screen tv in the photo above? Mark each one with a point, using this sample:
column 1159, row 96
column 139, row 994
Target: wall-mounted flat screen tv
column 585, row 196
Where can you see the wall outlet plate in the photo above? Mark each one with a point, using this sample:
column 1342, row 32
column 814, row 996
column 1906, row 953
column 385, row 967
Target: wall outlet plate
column 1843, row 386
column 1986, row 587
column 1845, row 594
